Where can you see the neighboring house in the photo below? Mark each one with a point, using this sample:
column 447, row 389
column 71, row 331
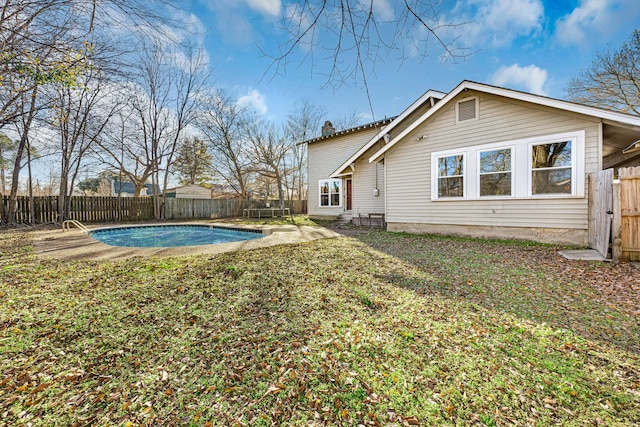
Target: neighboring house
column 189, row 191
column 478, row 161
column 127, row 189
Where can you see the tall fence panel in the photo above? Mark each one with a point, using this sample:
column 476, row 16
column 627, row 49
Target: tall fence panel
column 203, row 208
column 600, row 209
column 629, row 200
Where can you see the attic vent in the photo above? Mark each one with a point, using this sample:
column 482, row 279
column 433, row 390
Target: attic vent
column 468, row 109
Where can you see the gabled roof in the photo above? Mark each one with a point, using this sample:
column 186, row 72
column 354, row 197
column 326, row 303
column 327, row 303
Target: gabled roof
column 348, row 131
column 606, row 116
column 384, row 131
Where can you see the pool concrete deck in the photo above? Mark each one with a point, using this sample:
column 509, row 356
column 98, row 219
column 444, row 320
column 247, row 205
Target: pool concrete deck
column 77, row 245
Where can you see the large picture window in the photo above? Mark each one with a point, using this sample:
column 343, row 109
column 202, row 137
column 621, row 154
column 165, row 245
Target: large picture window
column 330, row 192
column 551, row 168
column 451, row 176
column 495, row 172
column 546, row 166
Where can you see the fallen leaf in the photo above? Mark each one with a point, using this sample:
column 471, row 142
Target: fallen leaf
column 40, row 387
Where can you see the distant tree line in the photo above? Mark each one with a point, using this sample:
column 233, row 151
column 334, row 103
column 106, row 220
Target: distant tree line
column 105, row 91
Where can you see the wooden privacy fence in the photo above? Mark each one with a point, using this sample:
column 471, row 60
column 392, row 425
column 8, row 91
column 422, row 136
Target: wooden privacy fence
column 90, row 209
column 221, row 208
column 626, row 215
column 600, row 210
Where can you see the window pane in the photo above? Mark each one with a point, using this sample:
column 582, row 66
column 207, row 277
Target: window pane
column 495, row 161
column 330, row 192
column 495, row 184
column 553, row 155
column 450, row 166
column 554, row 181
column 450, row 187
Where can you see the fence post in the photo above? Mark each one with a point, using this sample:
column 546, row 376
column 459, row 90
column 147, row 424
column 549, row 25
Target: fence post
column 616, row 228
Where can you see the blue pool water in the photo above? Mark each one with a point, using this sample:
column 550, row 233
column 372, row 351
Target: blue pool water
column 166, row 236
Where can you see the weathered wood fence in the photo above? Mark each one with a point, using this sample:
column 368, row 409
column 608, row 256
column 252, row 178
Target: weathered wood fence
column 600, row 210
column 626, row 215
column 115, row 209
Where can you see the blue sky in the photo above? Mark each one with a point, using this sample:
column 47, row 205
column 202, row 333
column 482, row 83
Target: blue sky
column 530, row 45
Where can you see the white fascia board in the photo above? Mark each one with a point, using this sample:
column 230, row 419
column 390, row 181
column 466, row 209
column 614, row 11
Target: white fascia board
column 444, row 101
column 417, row 103
column 557, row 103
column 622, row 118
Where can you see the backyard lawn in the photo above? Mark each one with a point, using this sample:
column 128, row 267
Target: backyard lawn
column 377, row 329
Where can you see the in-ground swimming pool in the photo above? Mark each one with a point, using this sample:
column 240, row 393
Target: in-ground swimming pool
column 169, row 236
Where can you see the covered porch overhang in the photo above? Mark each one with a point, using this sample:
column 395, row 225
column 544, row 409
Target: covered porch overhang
column 344, row 171
column 620, row 145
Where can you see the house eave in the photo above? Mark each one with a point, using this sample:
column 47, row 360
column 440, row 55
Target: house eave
column 348, row 131
column 430, row 94
column 604, row 115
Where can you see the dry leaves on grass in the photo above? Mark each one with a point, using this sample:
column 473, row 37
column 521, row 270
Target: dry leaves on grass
column 336, row 332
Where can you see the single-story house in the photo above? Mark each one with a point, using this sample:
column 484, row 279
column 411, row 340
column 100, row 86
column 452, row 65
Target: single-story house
column 478, row 161
column 189, row 191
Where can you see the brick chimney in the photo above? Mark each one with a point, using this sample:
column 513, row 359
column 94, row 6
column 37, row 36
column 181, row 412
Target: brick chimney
column 328, row 129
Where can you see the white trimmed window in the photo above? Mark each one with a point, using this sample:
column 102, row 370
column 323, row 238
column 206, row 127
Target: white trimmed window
column 450, row 176
column 330, row 192
column 495, row 177
column 551, row 168
column 540, row 167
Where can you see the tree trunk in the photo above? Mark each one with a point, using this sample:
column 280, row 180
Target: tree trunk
column 32, row 218
column 13, row 197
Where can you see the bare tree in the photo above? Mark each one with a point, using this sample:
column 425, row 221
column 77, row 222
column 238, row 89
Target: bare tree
column 268, row 150
column 612, row 80
column 224, row 125
column 27, row 115
column 190, row 76
column 80, row 115
column 126, row 159
column 35, row 49
column 353, row 36
column 143, row 142
column 45, row 42
column 303, row 123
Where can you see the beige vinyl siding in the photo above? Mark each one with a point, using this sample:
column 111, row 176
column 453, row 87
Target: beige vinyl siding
column 408, row 167
column 364, row 182
column 324, row 157
column 397, row 130
column 192, row 192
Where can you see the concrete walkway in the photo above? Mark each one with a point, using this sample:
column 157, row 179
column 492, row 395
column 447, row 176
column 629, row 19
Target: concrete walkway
column 583, row 255
column 76, row 245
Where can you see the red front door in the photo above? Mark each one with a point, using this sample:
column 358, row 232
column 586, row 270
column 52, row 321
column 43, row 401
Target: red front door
column 348, row 194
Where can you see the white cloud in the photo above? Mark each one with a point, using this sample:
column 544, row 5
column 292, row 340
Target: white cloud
column 233, row 18
column 254, row 100
column 494, row 22
column 598, row 16
column 267, row 7
column 383, row 9
column 530, row 78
